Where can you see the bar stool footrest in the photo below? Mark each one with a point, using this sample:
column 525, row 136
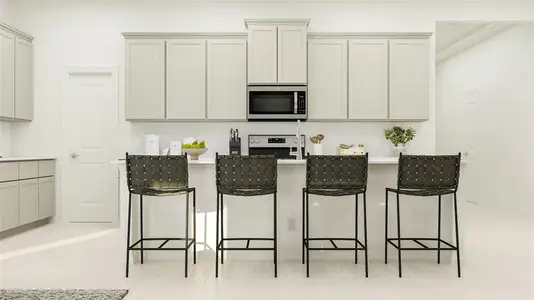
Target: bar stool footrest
column 164, row 241
column 360, row 246
column 448, row 246
column 247, row 247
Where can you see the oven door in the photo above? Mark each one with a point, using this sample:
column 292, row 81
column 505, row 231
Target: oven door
column 276, row 103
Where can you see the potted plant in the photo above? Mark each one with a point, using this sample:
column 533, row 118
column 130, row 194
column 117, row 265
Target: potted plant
column 399, row 137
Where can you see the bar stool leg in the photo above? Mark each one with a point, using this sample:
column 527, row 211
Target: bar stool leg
column 217, row 239
column 399, row 235
column 439, row 229
column 307, row 235
column 275, row 239
column 141, row 227
column 128, row 234
column 303, row 227
column 222, row 229
column 457, row 236
column 386, row 230
column 365, row 233
column 194, row 226
column 356, row 231
column 186, row 232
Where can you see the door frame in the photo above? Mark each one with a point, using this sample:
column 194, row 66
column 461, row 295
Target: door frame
column 64, row 160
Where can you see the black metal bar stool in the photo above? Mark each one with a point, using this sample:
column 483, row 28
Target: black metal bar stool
column 332, row 175
column 426, row 176
column 159, row 176
column 238, row 175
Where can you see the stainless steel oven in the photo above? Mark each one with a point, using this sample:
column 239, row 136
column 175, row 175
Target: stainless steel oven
column 277, row 103
column 282, row 146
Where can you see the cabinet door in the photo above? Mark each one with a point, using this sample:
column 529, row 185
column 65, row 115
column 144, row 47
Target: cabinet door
column 327, row 86
column 186, row 79
column 145, row 79
column 227, row 91
column 23, row 80
column 47, row 197
column 28, row 201
column 262, row 54
column 409, row 79
column 9, row 205
column 292, row 54
column 7, row 75
column 368, row 79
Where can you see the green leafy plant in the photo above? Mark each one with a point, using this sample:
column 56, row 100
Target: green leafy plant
column 399, row 136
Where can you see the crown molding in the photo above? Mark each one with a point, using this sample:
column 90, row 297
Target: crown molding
column 16, row 32
column 182, row 35
column 367, row 35
column 302, row 22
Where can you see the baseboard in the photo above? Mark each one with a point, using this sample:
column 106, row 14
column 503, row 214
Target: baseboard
column 24, row 228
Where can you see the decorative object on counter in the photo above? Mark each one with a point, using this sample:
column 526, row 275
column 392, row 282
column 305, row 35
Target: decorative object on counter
column 399, row 137
column 351, row 149
column 175, row 148
column 234, row 144
column 317, row 146
column 195, row 149
column 152, row 144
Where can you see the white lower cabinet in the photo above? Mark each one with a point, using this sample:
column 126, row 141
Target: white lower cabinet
column 47, row 197
column 28, row 201
column 9, row 205
column 327, row 79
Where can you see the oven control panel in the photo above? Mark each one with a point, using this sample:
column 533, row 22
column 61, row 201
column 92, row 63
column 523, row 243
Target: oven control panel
column 275, row 141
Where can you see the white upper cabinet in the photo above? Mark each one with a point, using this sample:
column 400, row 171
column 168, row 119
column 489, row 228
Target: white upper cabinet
column 7, row 75
column 186, row 79
column 409, row 79
column 145, row 79
column 23, row 80
column 368, row 79
column 277, row 51
column 262, row 54
column 327, row 79
column 292, row 54
column 226, row 79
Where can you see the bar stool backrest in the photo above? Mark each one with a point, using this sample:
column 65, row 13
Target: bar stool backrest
column 336, row 171
column 245, row 172
column 146, row 172
column 429, row 172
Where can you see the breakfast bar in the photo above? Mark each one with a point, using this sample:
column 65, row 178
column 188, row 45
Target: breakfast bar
column 243, row 216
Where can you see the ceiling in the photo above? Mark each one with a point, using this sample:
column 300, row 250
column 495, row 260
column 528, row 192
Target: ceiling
column 453, row 38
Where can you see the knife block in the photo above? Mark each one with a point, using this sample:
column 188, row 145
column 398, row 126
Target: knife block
column 235, row 147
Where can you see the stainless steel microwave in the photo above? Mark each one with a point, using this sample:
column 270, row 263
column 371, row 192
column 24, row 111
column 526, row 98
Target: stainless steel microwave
column 277, row 103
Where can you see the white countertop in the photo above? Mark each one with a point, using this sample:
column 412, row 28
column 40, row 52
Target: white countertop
column 211, row 161
column 11, row 159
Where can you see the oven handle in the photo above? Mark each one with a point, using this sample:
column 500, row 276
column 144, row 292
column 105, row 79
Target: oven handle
column 295, row 102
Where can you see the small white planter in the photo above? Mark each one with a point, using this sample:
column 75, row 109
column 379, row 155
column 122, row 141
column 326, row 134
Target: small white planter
column 398, row 150
column 317, row 149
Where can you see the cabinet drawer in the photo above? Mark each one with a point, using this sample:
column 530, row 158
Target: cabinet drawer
column 47, row 168
column 9, row 171
column 28, row 201
column 9, row 205
column 28, row 169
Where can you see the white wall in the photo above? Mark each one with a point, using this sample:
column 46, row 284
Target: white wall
column 484, row 106
column 5, row 128
column 76, row 33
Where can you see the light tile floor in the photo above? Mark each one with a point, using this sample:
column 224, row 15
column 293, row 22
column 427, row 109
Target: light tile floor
column 498, row 264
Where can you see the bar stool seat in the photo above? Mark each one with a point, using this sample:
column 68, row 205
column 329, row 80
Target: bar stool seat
column 247, row 192
column 422, row 193
column 334, row 192
column 160, row 192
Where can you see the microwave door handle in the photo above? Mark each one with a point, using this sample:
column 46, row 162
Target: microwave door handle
column 295, row 102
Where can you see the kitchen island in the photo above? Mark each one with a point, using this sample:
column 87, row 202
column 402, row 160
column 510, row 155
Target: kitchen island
column 252, row 217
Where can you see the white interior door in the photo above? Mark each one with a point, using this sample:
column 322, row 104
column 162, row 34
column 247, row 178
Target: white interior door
column 91, row 182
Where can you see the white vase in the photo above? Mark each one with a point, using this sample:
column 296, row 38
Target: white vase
column 317, row 149
column 398, row 150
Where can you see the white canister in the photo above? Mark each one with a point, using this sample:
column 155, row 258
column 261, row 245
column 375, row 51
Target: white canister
column 152, row 144
column 317, row 149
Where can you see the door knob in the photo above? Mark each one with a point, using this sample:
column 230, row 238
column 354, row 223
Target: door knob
column 74, row 155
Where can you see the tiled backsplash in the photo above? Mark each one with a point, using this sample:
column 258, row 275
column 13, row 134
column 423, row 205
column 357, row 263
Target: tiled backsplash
column 216, row 135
